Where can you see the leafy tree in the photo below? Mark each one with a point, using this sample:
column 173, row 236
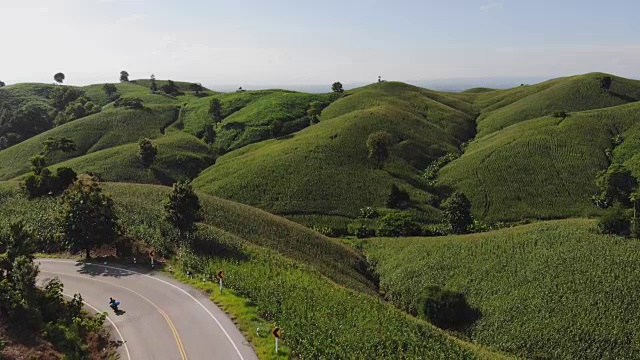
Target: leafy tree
column 38, row 162
column 2, row 84
column 336, row 87
column 182, row 208
column 80, row 108
column 16, row 243
column 154, row 86
column 147, row 153
column 398, row 224
column 614, row 184
column 276, row 128
column 605, row 82
column 397, row 198
column 129, row 103
column 615, row 221
column 209, row 134
column 124, row 76
column 445, row 308
column 88, row 216
column 169, row 88
column 560, row 114
column 62, row 96
column 215, row 111
column 314, row 111
column 57, row 144
column 59, row 77
column 378, row 144
column 197, row 88
column 458, row 213
column 110, row 91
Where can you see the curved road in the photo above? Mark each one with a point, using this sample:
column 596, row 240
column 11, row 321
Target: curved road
column 160, row 319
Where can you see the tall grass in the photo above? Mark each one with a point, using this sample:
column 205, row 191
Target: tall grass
column 546, row 290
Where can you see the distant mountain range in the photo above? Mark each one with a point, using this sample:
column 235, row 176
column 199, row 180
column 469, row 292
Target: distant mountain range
column 451, row 85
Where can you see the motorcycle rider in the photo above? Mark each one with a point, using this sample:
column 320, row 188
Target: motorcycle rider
column 113, row 303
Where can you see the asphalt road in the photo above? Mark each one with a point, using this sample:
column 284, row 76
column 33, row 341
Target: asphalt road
column 160, row 318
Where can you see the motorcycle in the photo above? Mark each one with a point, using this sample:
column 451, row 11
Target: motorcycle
column 114, row 305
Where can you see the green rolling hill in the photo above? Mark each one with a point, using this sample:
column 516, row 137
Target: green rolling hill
column 552, row 289
column 322, row 174
column 547, row 290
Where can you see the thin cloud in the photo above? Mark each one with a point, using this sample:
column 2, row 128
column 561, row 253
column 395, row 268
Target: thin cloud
column 491, row 6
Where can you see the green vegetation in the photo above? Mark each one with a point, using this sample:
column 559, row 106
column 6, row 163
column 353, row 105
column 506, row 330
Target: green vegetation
column 547, row 290
column 88, row 217
column 321, row 175
column 298, row 279
column 576, row 93
column 31, row 315
column 93, row 133
column 246, row 116
column 544, row 168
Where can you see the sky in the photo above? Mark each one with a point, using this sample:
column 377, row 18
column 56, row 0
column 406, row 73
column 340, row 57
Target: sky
column 307, row 42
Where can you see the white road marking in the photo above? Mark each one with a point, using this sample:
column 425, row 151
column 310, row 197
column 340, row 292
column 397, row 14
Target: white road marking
column 167, row 283
column 126, row 349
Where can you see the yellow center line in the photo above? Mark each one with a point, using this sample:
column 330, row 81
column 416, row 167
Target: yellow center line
column 183, row 353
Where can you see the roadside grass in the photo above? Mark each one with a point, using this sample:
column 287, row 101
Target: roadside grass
column 244, row 315
column 552, row 289
column 543, row 168
column 278, row 271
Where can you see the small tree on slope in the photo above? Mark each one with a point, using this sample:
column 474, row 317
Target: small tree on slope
column 182, row 208
column 458, row 213
column 88, row 216
column 147, row 153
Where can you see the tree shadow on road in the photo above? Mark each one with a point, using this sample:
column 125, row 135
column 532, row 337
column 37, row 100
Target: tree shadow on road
column 99, row 267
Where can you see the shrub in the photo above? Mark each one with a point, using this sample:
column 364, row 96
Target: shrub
column 129, row 103
column 458, row 213
column 378, row 144
column 397, row 198
column 615, row 221
column 398, row 224
column 360, row 230
column 368, row 213
column 445, row 308
column 615, row 184
column 560, row 114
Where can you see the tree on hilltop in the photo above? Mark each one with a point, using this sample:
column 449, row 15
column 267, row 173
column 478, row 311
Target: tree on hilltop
column 605, row 82
column 378, row 144
column 169, row 88
column 124, row 76
column 2, row 84
column 154, row 86
column 195, row 87
column 88, row 216
column 215, row 111
column 337, row 87
column 59, row 78
column 147, row 153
